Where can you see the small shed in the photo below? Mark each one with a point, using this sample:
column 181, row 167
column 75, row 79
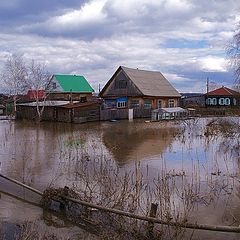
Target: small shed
column 169, row 113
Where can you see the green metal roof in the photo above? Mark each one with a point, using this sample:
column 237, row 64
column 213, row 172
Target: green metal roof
column 73, row 83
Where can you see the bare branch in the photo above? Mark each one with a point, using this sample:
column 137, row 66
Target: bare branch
column 233, row 52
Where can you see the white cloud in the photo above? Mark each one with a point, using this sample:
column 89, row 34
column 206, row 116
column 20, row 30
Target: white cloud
column 89, row 13
column 213, row 64
column 178, row 6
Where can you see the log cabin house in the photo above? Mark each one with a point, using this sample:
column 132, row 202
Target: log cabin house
column 139, row 89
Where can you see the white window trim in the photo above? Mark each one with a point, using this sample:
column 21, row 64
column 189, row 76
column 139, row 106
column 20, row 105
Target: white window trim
column 171, row 103
column 227, row 101
column 221, row 101
column 121, row 104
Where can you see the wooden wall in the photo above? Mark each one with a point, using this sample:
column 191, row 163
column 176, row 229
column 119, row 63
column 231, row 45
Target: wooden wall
column 121, row 86
column 60, row 114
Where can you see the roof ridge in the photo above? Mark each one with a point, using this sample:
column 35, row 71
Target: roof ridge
column 72, row 75
column 137, row 69
column 228, row 90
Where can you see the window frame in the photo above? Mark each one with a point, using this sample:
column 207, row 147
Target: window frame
column 121, row 104
column 134, row 103
column 171, row 103
column 147, row 104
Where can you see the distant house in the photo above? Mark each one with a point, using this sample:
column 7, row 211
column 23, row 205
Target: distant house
column 32, row 95
column 222, row 97
column 70, row 87
column 134, row 88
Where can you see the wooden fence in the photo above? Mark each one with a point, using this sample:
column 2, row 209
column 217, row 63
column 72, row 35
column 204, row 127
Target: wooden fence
column 151, row 219
column 111, row 114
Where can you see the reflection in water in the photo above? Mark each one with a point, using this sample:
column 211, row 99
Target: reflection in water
column 51, row 153
column 137, row 141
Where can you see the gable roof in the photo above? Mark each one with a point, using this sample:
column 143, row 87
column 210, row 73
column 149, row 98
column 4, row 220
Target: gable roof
column 73, row 83
column 149, row 83
column 222, row 91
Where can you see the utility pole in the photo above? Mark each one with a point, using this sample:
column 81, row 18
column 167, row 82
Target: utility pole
column 207, row 84
column 99, row 88
column 206, row 98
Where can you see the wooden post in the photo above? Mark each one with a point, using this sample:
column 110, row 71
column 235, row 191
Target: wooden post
column 63, row 202
column 152, row 213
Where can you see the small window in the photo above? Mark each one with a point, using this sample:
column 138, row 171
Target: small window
column 121, row 104
column 214, row 101
column 171, row 103
column 147, row 104
column 211, row 101
column 221, row 101
column 110, row 103
column 134, row 104
column 227, row 101
column 159, row 103
column 83, row 99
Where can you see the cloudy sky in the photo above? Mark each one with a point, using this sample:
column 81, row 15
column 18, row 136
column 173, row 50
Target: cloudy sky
column 184, row 39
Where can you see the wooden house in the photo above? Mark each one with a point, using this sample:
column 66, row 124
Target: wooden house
column 139, row 89
column 70, row 87
column 222, row 97
column 61, row 111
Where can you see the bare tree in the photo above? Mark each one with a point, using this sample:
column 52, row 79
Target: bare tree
column 38, row 79
column 233, row 51
column 14, row 77
column 20, row 75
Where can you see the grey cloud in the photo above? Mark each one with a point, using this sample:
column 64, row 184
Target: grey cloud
column 137, row 38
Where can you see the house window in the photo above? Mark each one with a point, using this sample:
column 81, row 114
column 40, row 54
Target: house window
column 234, row 102
column 147, row 104
column 227, row 101
column 134, row 104
column 159, row 103
column 221, row 101
column 171, row 103
column 214, row 101
column 121, row 104
column 110, row 103
column 211, row 101
column 83, row 99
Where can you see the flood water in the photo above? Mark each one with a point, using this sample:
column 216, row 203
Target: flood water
column 46, row 154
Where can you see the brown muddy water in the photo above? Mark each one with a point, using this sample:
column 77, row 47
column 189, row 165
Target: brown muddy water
column 47, row 154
